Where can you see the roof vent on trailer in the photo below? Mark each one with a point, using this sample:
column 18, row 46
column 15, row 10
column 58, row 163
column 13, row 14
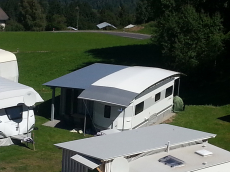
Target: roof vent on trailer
column 172, row 161
column 204, row 152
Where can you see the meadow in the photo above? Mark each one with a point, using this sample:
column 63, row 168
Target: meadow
column 43, row 56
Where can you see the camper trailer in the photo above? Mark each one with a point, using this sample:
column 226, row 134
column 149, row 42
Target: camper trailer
column 8, row 66
column 117, row 97
column 158, row 148
column 15, row 117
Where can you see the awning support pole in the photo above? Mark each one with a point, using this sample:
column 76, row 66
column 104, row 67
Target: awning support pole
column 52, row 105
column 72, row 101
column 178, row 87
column 85, row 117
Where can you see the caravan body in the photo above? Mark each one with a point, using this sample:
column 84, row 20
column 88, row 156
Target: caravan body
column 117, row 97
column 8, row 66
column 150, row 107
column 13, row 112
column 132, row 97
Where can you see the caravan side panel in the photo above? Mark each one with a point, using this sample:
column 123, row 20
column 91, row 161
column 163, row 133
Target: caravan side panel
column 153, row 104
column 9, row 70
column 218, row 168
column 101, row 120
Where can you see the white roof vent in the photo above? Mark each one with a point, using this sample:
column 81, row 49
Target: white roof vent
column 204, row 153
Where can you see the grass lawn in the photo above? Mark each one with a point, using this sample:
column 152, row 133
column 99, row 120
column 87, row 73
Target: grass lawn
column 45, row 56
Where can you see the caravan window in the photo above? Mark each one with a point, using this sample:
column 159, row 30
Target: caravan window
column 169, row 91
column 107, row 111
column 14, row 112
column 139, row 108
column 157, row 96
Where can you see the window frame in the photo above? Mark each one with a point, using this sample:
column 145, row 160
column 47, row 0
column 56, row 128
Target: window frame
column 141, row 106
column 171, row 91
column 157, row 98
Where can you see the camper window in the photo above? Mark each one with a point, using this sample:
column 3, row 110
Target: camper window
column 14, row 112
column 169, row 91
column 107, row 111
column 139, row 108
column 157, row 96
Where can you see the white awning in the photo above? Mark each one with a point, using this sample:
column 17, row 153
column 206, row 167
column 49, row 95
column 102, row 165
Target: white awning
column 92, row 163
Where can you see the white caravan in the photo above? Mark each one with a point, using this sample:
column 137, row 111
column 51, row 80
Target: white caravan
column 8, row 65
column 13, row 111
column 115, row 96
column 131, row 98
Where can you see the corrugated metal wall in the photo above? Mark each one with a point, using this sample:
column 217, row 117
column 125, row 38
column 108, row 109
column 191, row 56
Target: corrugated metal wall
column 69, row 165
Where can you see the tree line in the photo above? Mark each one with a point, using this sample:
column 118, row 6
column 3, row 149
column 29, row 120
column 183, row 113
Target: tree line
column 40, row 15
column 192, row 36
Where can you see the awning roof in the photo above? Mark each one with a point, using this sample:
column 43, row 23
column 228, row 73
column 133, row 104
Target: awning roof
column 85, row 77
column 105, row 24
column 112, row 84
column 92, row 163
column 11, row 93
column 133, row 142
column 3, row 15
column 6, row 56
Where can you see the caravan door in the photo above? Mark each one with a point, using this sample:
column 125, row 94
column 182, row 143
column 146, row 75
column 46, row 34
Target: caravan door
column 13, row 118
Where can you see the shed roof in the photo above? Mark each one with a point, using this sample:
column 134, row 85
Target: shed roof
column 133, row 142
column 11, row 93
column 6, row 56
column 3, row 15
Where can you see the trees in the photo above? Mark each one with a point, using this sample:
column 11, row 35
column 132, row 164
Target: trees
column 142, row 12
column 31, row 15
column 189, row 39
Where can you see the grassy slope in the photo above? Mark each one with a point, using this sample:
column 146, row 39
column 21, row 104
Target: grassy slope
column 70, row 51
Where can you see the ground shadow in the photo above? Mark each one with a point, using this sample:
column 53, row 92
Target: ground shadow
column 44, row 109
column 225, row 118
column 198, row 89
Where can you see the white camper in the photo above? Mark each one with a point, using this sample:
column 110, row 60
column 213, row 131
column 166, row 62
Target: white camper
column 15, row 117
column 158, row 148
column 117, row 97
column 8, row 66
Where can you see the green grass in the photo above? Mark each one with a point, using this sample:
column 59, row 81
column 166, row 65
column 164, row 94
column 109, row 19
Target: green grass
column 209, row 119
column 63, row 53
column 42, row 57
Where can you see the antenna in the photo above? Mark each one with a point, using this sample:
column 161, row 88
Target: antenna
column 29, row 100
column 120, row 165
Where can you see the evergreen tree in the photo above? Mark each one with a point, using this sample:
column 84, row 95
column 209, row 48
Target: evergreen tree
column 142, row 12
column 32, row 16
column 189, row 39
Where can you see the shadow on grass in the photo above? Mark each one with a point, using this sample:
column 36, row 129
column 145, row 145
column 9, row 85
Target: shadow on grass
column 44, row 109
column 225, row 118
column 198, row 89
column 141, row 55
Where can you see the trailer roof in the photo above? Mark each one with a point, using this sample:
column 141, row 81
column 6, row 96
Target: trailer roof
column 11, row 93
column 192, row 161
column 133, row 142
column 6, row 56
column 113, row 84
column 85, row 77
